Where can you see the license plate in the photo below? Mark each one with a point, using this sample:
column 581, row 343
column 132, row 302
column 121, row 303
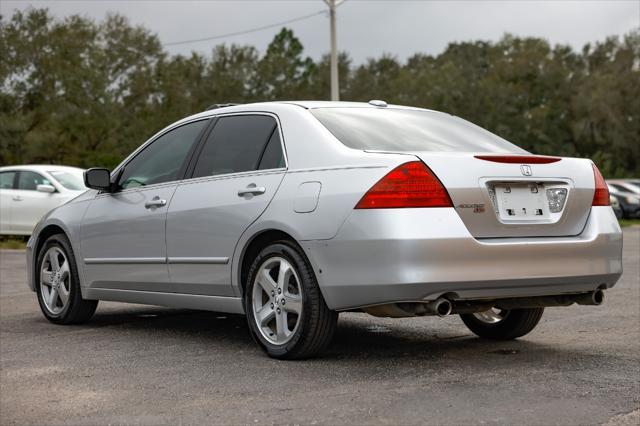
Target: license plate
column 517, row 202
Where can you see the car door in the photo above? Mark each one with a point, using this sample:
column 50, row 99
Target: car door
column 234, row 177
column 7, row 192
column 29, row 204
column 123, row 232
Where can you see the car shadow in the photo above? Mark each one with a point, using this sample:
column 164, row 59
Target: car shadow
column 358, row 337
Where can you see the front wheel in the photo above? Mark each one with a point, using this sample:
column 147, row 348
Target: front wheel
column 287, row 314
column 502, row 324
column 58, row 284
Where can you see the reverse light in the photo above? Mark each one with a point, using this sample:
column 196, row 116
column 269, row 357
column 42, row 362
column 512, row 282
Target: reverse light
column 408, row 185
column 556, row 197
column 601, row 196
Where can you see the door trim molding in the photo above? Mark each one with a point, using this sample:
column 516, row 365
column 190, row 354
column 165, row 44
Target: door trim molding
column 124, row 260
column 197, row 260
column 156, row 260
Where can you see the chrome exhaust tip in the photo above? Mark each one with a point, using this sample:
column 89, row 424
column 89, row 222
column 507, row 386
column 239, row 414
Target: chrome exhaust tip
column 594, row 298
column 597, row 297
column 440, row 307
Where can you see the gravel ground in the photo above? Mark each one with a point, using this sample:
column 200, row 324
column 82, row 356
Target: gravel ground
column 147, row 365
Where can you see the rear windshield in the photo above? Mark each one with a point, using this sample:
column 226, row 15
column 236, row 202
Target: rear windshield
column 388, row 129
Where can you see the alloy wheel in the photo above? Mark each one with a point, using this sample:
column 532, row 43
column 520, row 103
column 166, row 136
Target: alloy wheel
column 491, row 316
column 55, row 280
column 277, row 300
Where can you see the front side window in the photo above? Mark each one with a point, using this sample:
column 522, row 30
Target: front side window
column 236, row 144
column 389, row 129
column 163, row 159
column 29, row 181
column 6, row 180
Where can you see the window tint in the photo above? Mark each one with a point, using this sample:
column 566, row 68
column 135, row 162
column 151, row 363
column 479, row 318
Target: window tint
column 162, row 160
column 272, row 157
column 6, row 180
column 235, row 145
column 389, row 129
column 30, row 180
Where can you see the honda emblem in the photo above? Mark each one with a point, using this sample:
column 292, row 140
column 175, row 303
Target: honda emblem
column 526, row 170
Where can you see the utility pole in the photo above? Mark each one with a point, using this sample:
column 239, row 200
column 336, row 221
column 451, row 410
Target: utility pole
column 335, row 89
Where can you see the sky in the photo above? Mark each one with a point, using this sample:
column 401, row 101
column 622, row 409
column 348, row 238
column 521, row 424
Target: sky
column 366, row 28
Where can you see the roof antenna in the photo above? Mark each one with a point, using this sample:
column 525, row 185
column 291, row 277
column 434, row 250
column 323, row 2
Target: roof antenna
column 378, row 103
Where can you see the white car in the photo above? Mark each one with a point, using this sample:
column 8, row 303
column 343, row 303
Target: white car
column 28, row 192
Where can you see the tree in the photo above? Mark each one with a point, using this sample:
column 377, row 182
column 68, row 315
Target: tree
column 73, row 91
column 283, row 72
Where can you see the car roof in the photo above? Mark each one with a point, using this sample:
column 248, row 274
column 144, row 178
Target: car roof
column 303, row 104
column 41, row 168
column 338, row 104
column 269, row 106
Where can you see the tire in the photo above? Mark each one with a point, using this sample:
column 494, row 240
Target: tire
column 292, row 281
column 513, row 323
column 73, row 310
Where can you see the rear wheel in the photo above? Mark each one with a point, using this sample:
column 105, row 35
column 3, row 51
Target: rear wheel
column 502, row 324
column 286, row 312
column 58, row 284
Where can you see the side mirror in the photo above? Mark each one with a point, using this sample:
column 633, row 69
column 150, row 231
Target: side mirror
column 49, row 189
column 98, row 178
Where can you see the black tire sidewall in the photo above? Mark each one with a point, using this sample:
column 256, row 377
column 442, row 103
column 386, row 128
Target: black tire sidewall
column 307, row 278
column 61, row 242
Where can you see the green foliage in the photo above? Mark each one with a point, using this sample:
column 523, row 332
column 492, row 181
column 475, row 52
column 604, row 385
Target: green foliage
column 77, row 92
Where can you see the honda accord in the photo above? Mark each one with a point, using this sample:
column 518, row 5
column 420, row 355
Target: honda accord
column 292, row 212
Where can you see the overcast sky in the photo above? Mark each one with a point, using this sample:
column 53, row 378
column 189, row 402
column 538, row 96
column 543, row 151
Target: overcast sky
column 366, row 28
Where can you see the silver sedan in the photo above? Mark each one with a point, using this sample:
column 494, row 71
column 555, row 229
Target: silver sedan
column 291, row 212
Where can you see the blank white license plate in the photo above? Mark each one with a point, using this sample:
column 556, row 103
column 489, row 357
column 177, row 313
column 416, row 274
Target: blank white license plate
column 521, row 202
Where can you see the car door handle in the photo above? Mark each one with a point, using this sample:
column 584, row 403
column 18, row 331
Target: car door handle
column 155, row 202
column 252, row 189
column 18, row 198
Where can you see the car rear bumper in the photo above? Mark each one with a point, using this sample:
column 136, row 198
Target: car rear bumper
column 401, row 255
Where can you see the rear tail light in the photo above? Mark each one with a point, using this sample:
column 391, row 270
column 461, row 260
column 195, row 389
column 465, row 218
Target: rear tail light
column 601, row 196
column 408, row 185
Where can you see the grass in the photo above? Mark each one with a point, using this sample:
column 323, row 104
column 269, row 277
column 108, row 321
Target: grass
column 20, row 243
column 629, row 222
column 13, row 242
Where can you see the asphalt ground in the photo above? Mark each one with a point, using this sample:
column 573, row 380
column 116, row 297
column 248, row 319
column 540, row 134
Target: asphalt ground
column 135, row 364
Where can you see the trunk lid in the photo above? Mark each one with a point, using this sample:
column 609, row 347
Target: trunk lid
column 498, row 199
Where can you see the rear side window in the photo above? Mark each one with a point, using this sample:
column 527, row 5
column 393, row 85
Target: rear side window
column 6, row 180
column 235, row 145
column 30, row 180
column 388, row 129
column 272, row 157
column 163, row 159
